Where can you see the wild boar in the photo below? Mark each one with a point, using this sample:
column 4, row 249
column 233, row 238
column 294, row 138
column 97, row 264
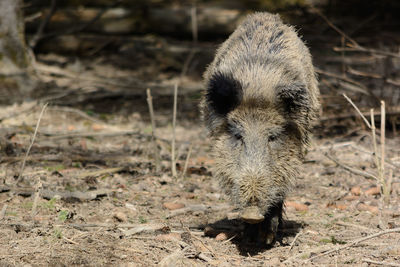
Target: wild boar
column 260, row 101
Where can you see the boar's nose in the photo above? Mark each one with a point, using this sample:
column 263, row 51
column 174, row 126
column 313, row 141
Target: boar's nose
column 251, row 215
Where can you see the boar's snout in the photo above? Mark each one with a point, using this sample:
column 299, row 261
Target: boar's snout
column 251, row 215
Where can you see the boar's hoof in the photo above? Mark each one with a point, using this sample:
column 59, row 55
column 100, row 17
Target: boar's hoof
column 252, row 215
column 271, row 231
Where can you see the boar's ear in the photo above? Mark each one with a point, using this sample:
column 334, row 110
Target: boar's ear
column 294, row 100
column 224, row 93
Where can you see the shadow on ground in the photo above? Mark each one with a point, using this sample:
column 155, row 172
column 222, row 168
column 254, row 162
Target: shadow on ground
column 235, row 230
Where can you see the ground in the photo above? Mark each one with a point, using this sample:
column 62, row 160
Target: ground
column 89, row 192
column 129, row 215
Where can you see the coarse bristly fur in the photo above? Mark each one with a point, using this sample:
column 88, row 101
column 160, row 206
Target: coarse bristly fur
column 260, row 101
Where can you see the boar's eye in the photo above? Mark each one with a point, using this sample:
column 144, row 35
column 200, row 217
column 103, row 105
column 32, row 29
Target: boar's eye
column 272, row 138
column 238, row 136
column 234, row 132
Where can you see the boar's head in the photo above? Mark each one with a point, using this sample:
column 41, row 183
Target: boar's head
column 259, row 140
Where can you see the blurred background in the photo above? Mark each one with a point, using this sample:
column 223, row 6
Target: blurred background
column 102, row 55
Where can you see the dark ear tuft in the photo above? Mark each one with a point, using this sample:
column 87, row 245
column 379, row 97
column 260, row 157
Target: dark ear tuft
column 224, row 93
column 294, row 99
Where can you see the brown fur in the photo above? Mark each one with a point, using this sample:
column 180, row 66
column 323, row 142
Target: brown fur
column 261, row 99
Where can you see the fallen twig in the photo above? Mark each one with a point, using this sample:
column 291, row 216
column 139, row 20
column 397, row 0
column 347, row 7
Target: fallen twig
column 354, row 45
column 353, row 225
column 147, row 228
column 153, row 131
column 38, row 189
column 294, row 240
column 43, row 25
column 77, row 111
column 113, row 157
column 364, row 74
column 385, row 263
column 187, row 161
column 56, row 136
column 356, row 108
column 173, row 161
column 366, row 50
column 385, row 184
column 392, row 112
column 360, row 86
column 352, row 170
column 100, row 172
column 333, row 26
column 355, row 242
column 31, row 144
column 70, row 241
column 66, row 196
column 3, row 211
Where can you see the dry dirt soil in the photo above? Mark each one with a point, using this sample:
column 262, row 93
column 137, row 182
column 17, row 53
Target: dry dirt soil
column 89, row 193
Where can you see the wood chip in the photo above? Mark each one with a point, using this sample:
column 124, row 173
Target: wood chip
column 356, row 190
column 120, row 216
column 373, row 191
column 365, row 207
column 222, row 236
column 173, row 206
column 296, row 206
column 351, row 198
column 335, row 205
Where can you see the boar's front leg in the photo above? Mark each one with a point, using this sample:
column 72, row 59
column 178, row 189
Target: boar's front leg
column 265, row 232
column 273, row 220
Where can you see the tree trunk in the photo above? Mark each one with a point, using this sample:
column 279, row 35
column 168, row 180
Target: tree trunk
column 16, row 83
